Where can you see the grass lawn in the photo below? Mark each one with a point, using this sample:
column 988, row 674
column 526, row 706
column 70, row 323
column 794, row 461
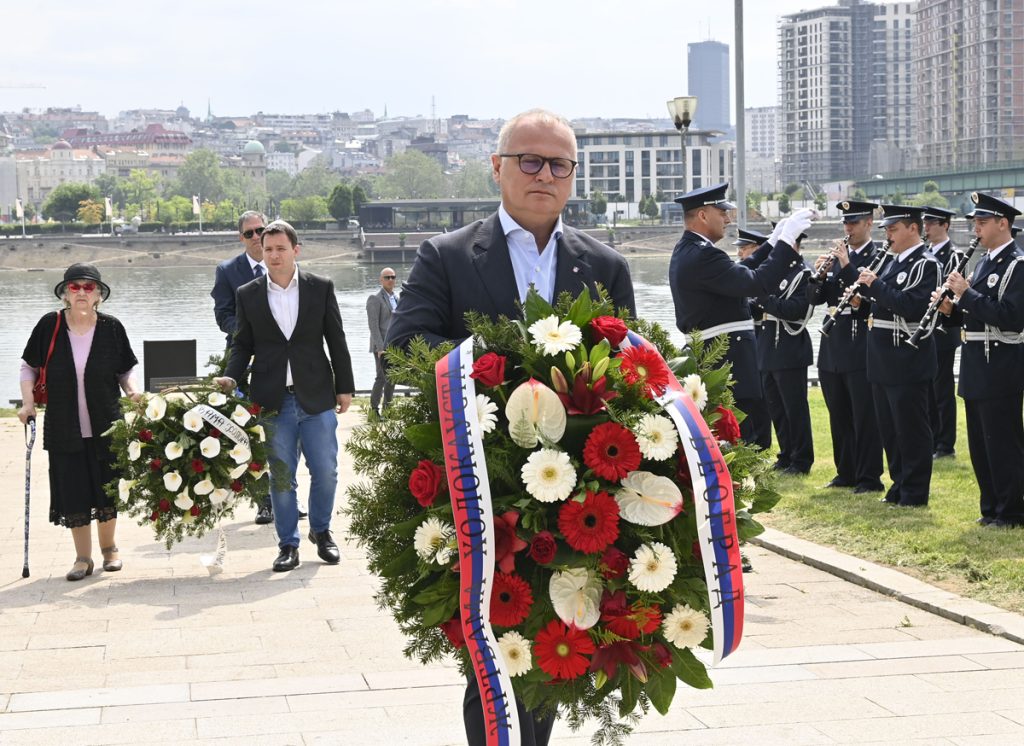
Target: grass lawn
column 940, row 544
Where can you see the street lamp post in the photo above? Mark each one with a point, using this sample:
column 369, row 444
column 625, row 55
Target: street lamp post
column 682, row 109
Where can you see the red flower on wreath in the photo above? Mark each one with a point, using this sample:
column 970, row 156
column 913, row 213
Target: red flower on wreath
column 646, row 368
column 154, row 515
column 611, row 451
column 726, row 427
column 214, row 432
column 155, row 464
column 562, row 651
column 614, row 563
column 591, row 525
column 662, row 655
column 198, row 467
column 542, row 547
column 610, row 328
column 452, row 629
column 146, row 436
column 255, row 409
column 194, row 510
column 625, row 620
column 237, row 486
column 506, row 542
column 165, row 505
column 255, row 466
column 489, row 369
column 511, row 600
column 608, row 657
column 425, row 482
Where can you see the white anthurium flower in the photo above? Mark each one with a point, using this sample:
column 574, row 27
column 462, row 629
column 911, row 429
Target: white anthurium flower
column 134, row 450
column 239, row 470
column 240, row 454
column 216, row 399
column 130, row 417
column 172, row 481
column 219, row 496
column 203, row 487
column 534, row 409
column 156, row 407
column 657, row 437
column 209, row 447
column 548, row 475
column 184, row 500
column 432, row 540
column 576, row 595
column 124, row 487
column 192, row 421
column 486, row 412
column 748, row 483
column 652, row 568
column 685, row 627
column 554, row 338
column 259, row 432
column 695, row 387
column 648, row 500
column 173, row 450
column 241, row 415
column 515, row 649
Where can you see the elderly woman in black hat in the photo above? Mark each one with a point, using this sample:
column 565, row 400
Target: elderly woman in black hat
column 91, row 359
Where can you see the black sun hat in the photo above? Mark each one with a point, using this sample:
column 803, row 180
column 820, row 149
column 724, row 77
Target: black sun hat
column 82, row 272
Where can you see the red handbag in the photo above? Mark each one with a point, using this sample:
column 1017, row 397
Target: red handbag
column 39, row 389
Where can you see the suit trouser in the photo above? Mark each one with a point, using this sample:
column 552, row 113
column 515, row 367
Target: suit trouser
column 943, row 403
column 785, row 392
column 756, row 428
column 995, row 435
column 856, row 447
column 534, row 732
column 381, row 385
column 902, row 413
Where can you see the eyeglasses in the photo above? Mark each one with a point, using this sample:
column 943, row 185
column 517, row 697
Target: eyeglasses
column 387, row 277
column 85, row 287
column 530, row 164
column 253, row 232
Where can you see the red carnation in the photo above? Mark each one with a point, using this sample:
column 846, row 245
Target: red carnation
column 255, row 466
column 155, row 464
column 611, row 451
column 542, row 547
column 165, row 505
column 629, row 621
column 726, row 427
column 614, row 563
column 610, row 328
column 644, row 367
column 562, row 651
column 197, row 466
column 453, row 631
column 511, row 600
column 146, row 436
column 591, row 525
column 155, row 515
column 214, row 432
column 194, row 510
column 489, row 369
column 506, row 542
column 255, row 409
column 237, row 486
column 425, row 482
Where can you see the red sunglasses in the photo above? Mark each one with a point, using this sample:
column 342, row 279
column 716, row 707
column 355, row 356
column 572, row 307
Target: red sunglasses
column 87, row 287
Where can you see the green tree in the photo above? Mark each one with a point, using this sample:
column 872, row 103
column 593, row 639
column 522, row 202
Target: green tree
column 474, row 180
column 90, row 212
column 412, row 175
column 64, row 201
column 930, row 197
column 359, row 197
column 201, row 175
column 300, row 209
column 860, row 195
column 315, row 180
column 792, row 188
column 783, row 203
column 653, row 209
column 340, row 202
column 279, row 185
column 140, row 187
column 110, row 185
column 598, row 203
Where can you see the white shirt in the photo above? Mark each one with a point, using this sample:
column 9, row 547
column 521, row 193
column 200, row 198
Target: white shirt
column 284, row 306
column 993, row 253
column 530, row 266
column 902, row 256
column 253, row 264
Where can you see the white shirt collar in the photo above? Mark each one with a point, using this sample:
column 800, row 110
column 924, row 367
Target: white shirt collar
column 861, row 247
column 271, row 285
column 902, row 257
column 995, row 252
column 253, row 263
column 509, row 224
column 706, row 239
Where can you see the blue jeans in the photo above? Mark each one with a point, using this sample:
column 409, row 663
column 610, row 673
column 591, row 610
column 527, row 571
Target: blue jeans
column 316, row 435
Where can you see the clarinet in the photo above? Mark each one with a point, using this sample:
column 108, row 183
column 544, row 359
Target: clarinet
column 877, row 261
column 826, row 266
column 924, row 329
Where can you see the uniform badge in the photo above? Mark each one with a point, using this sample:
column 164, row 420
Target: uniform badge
column 974, row 197
column 900, row 278
column 782, row 285
column 993, row 280
column 844, row 206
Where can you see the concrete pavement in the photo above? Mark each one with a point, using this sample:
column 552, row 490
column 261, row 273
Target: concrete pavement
column 161, row 652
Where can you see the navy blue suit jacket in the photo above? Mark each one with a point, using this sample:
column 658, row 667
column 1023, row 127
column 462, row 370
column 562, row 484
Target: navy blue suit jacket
column 231, row 275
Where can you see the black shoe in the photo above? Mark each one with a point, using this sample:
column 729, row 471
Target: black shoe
column 865, row 487
column 288, row 559
column 795, row 471
column 943, row 453
column 265, row 514
column 325, row 546
column 983, row 521
column 1000, row 523
column 837, row 482
column 781, row 465
column 303, row 513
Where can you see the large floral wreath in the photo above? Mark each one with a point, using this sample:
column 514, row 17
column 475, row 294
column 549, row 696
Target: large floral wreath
column 187, row 458
column 599, row 592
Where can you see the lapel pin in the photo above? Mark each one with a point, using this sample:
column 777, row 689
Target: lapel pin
column 575, row 269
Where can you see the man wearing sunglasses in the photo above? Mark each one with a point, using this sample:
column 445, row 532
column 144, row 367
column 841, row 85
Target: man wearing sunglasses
column 379, row 308
column 489, row 266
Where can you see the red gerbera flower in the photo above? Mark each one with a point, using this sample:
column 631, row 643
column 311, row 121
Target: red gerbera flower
column 645, row 367
column 562, row 651
column 629, row 621
column 591, row 525
column 611, row 451
column 511, row 600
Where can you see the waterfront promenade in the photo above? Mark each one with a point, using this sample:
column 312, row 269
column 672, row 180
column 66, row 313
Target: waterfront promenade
column 163, row 653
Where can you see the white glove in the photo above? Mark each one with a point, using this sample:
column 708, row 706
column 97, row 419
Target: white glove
column 776, row 232
column 796, row 224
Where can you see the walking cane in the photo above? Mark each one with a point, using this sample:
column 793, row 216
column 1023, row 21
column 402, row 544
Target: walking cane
column 30, row 440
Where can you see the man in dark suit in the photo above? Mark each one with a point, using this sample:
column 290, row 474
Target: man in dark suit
column 711, row 292
column 489, row 265
column 991, row 303
column 283, row 321
column 379, row 308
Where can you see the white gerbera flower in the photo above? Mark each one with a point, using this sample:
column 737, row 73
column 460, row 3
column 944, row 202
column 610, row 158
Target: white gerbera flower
column 259, row 432
column 192, row 421
column 209, row 447
column 184, row 500
column 241, row 415
column 548, row 475
column 695, row 387
column 216, row 399
column 648, row 500
column 554, row 338
column 685, row 627
column 486, row 412
column 657, row 437
column 203, row 487
column 748, row 484
column 576, row 595
column 156, row 407
column 172, row 481
column 515, row 649
column 134, row 450
column 219, row 495
column 433, row 540
column 240, row 453
column 239, row 470
column 173, row 450
column 652, row 568
column 124, row 487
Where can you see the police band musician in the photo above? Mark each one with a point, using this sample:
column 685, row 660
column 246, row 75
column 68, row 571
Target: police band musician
column 746, row 243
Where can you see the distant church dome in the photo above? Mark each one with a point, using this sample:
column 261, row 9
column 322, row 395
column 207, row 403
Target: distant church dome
column 182, row 112
column 254, row 147
column 61, row 145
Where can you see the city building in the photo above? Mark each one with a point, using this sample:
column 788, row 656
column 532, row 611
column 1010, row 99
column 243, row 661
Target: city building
column 154, row 139
column 41, row 171
column 968, row 75
column 762, row 130
column 707, row 72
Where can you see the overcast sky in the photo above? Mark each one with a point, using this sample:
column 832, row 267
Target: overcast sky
column 484, row 58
